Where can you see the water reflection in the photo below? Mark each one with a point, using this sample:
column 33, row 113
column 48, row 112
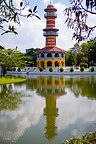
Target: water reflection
column 51, row 105
column 51, row 88
column 84, row 86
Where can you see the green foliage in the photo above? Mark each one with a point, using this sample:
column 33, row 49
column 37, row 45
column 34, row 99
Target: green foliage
column 76, row 48
column 82, row 69
column 92, row 69
column 71, row 60
column 19, row 69
column 40, row 69
column 10, row 69
column 14, row 69
column 31, row 56
column 11, row 58
column 71, row 69
column 51, row 69
column 85, row 65
column 61, row 69
column 88, row 138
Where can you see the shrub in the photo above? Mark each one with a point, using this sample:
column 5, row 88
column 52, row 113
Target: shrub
column 71, row 69
column 88, row 138
column 61, row 69
column 10, row 69
column 82, row 69
column 19, row 69
column 50, row 69
column 14, row 69
column 85, row 65
column 40, row 69
column 92, row 69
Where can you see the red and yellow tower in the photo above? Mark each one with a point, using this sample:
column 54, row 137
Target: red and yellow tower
column 50, row 55
column 50, row 32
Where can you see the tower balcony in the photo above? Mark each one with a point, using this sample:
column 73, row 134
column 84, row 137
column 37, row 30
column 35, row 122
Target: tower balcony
column 50, row 15
column 50, row 33
column 50, row 28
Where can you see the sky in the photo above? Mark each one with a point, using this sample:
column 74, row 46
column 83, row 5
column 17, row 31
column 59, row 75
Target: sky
column 30, row 33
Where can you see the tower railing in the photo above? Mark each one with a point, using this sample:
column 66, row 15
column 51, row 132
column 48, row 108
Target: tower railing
column 50, row 14
column 50, row 33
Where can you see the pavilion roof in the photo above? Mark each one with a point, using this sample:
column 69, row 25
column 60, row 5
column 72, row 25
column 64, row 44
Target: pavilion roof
column 53, row 49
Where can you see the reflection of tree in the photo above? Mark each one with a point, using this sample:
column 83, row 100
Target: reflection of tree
column 82, row 86
column 9, row 99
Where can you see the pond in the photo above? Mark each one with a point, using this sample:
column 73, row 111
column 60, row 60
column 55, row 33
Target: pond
column 47, row 109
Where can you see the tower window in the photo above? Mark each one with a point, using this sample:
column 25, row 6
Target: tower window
column 42, row 55
column 49, row 55
column 62, row 55
column 56, row 55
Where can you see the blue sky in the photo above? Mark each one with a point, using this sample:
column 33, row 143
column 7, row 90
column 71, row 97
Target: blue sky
column 30, row 32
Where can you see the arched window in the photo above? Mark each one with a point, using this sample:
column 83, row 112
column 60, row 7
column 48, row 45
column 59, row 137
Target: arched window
column 62, row 55
column 56, row 55
column 49, row 63
column 56, row 63
column 42, row 55
column 49, row 55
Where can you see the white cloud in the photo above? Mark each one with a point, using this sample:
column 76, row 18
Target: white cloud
column 47, row 2
column 14, row 123
column 72, row 109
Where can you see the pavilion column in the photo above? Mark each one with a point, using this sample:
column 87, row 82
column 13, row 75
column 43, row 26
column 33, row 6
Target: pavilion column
column 53, row 64
column 45, row 64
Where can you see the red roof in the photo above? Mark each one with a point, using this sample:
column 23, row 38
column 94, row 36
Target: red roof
column 51, row 49
column 50, row 6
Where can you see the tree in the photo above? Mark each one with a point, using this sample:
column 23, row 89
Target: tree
column 71, row 60
column 76, row 48
column 31, row 56
column 92, row 52
column 9, row 12
column 11, row 58
column 77, row 15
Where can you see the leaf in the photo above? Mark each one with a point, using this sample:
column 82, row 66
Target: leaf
column 28, row 15
column 15, row 17
column 38, row 17
column 34, row 8
column 30, row 10
column 9, row 27
column 15, row 32
column 21, row 4
column 5, row 32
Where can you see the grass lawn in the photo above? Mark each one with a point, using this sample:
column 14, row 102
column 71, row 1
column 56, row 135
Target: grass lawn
column 8, row 79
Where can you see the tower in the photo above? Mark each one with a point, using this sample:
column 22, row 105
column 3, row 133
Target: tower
column 50, row 55
column 50, row 32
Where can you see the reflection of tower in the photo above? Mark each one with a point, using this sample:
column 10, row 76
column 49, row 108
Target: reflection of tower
column 51, row 112
column 51, row 88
